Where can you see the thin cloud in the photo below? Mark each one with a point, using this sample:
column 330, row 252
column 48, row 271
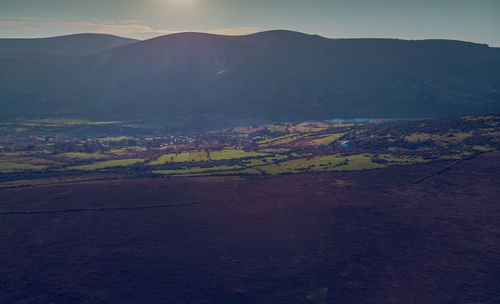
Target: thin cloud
column 28, row 18
column 129, row 28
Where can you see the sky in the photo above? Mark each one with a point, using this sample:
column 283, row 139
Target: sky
column 469, row 20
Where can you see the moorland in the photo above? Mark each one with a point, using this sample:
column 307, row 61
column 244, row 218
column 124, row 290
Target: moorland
column 289, row 212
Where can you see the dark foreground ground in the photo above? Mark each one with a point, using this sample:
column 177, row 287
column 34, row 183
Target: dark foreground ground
column 412, row 234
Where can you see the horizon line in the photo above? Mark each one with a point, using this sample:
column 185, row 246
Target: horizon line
column 211, row 33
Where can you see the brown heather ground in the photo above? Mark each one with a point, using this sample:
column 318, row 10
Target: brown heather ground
column 380, row 236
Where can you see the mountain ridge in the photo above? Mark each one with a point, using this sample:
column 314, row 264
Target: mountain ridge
column 74, row 44
column 263, row 75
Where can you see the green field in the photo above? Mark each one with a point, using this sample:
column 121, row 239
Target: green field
column 197, row 156
column 9, row 167
column 107, row 164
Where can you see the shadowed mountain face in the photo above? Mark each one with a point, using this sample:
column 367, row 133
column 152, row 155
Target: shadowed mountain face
column 277, row 74
column 80, row 44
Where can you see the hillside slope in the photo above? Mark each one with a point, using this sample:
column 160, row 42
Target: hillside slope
column 78, row 44
column 276, row 74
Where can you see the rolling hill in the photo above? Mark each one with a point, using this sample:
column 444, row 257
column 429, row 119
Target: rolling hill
column 275, row 74
column 78, row 44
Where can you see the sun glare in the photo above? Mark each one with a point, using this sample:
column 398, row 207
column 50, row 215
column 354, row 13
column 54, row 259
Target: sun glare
column 183, row 2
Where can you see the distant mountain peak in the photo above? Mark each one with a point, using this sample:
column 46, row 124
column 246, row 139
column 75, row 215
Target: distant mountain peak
column 277, row 73
column 74, row 44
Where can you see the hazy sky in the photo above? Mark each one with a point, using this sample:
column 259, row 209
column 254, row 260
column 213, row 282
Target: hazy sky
column 471, row 20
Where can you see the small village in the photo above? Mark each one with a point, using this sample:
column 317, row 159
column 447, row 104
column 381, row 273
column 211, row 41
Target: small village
column 52, row 148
